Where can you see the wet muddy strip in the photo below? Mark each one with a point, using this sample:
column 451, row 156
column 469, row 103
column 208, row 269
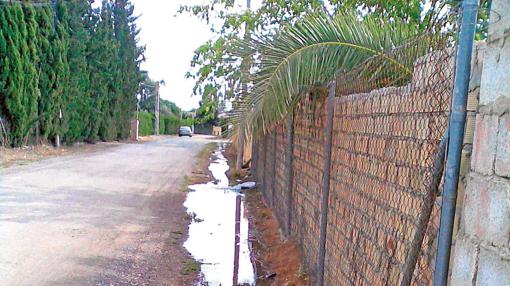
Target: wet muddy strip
column 218, row 232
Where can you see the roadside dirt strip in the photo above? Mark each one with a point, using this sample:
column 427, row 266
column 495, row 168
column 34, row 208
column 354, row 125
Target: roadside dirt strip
column 112, row 217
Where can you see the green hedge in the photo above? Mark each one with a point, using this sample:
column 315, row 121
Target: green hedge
column 168, row 125
column 172, row 125
column 146, row 123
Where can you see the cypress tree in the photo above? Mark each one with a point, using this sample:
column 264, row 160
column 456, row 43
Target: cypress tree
column 128, row 72
column 30, row 67
column 47, row 58
column 102, row 67
column 12, row 72
column 4, row 70
column 60, row 44
column 77, row 80
column 78, row 101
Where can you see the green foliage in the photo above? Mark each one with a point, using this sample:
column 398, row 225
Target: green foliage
column 168, row 125
column 161, row 125
column 129, row 57
column 309, row 53
column 146, row 126
column 77, row 80
column 78, row 103
column 170, row 113
column 407, row 11
column 221, row 73
column 18, row 83
column 172, row 125
column 187, row 122
column 165, row 107
column 208, row 110
column 49, row 47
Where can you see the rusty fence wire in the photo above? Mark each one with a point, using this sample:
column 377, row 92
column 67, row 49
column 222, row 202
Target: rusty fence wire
column 386, row 154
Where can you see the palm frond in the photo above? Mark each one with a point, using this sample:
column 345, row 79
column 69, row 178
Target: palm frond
column 311, row 53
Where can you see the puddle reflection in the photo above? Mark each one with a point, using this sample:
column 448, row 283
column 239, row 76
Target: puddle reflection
column 212, row 236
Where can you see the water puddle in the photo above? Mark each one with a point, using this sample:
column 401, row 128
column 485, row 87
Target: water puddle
column 218, row 233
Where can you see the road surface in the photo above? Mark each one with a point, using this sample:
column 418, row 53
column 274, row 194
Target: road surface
column 103, row 218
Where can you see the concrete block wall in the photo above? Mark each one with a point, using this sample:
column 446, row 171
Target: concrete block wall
column 482, row 249
column 472, row 107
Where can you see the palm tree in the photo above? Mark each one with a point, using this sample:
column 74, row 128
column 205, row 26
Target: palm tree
column 313, row 52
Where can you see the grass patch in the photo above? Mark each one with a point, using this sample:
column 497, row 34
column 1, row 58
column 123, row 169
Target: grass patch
column 301, row 273
column 185, row 184
column 236, row 174
column 207, row 150
column 190, row 266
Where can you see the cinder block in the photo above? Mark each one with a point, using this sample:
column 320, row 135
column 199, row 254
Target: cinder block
column 472, row 222
column 464, row 265
column 465, row 162
column 476, row 71
column 496, row 73
column 469, row 130
column 503, row 147
column 492, row 269
column 484, row 144
column 499, row 19
column 487, row 209
column 472, row 103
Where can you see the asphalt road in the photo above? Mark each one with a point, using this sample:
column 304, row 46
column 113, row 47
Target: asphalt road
column 101, row 218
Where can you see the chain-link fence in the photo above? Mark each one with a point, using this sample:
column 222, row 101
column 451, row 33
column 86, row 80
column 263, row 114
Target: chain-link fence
column 386, row 167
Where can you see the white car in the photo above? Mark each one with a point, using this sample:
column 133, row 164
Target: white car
column 185, row 131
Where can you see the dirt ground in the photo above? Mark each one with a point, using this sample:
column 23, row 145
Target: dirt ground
column 27, row 154
column 277, row 259
column 111, row 216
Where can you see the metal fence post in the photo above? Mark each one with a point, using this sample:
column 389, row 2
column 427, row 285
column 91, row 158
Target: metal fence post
column 426, row 211
column 273, row 169
column 264, row 179
column 457, row 123
column 325, row 182
column 254, row 157
column 290, row 171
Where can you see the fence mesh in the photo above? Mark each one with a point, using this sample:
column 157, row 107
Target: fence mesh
column 281, row 203
column 383, row 213
column 384, row 147
column 308, row 171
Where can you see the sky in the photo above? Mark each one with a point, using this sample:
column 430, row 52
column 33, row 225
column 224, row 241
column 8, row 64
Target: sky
column 170, row 40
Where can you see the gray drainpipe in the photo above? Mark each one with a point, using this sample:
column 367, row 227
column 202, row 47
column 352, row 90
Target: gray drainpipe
column 457, row 123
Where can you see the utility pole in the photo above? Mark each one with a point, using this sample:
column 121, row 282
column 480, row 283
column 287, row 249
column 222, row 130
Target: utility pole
column 245, row 69
column 156, row 110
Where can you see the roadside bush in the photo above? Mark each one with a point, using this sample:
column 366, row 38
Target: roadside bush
column 171, row 125
column 187, row 122
column 168, row 125
column 146, row 123
column 161, row 125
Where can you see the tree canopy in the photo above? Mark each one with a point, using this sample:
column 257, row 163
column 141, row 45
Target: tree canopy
column 221, row 66
column 76, row 77
column 216, row 65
